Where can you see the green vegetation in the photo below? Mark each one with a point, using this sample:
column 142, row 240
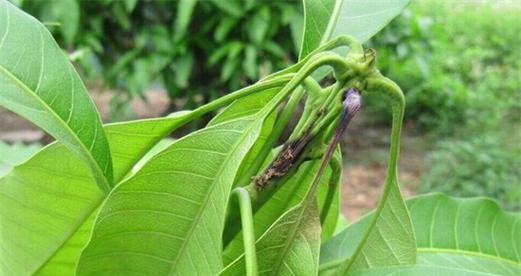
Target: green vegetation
column 228, row 198
column 460, row 72
column 197, row 49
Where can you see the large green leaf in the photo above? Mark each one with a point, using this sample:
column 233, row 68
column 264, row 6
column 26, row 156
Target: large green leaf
column 454, row 236
column 38, row 82
column 38, row 230
column 168, row 218
column 389, row 239
column 243, row 107
column 324, row 19
column 49, row 202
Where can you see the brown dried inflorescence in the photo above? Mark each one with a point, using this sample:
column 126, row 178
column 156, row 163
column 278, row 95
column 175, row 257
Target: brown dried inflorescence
column 286, row 158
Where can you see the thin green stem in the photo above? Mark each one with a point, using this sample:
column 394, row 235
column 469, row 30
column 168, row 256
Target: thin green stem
column 227, row 99
column 248, row 231
column 311, row 112
column 343, row 40
column 380, row 83
column 312, row 87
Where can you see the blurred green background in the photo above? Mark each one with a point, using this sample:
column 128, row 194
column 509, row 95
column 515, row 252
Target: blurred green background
column 459, row 63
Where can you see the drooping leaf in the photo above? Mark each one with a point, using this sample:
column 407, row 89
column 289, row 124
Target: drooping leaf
column 168, row 218
column 389, row 237
column 325, row 19
column 38, row 82
column 49, row 202
column 454, row 236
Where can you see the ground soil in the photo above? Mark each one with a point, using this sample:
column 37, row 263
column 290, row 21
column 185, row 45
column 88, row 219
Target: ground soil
column 365, row 159
column 365, row 151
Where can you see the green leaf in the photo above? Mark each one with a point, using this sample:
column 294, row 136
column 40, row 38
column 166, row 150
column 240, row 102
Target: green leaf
column 184, row 14
column 232, row 7
column 325, row 19
column 67, row 13
column 130, row 5
column 226, row 24
column 44, row 201
column 454, row 236
column 258, row 25
column 38, row 82
column 168, row 218
column 389, row 239
column 243, row 107
column 448, row 264
column 289, row 247
column 291, row 192
column 317, row 15
column 249, row 64
column 49, row 202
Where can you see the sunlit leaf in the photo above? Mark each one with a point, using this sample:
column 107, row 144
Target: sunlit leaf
column 169, row 217
column 50, row 201
column 38, row 82
column 454, row 236
column 325, row 19
column 289, row 247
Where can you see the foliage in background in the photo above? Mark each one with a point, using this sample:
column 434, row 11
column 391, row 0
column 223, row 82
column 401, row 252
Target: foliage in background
column 482, row 165
column 12, row 155
column 461, row 74
column 197, row 49
column 459, row 70
column 170, row 215
column 455, row 64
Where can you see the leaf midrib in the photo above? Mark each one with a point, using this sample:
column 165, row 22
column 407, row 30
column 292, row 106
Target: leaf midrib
column 211, row 190
column 32, row 94
column 75, row 229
